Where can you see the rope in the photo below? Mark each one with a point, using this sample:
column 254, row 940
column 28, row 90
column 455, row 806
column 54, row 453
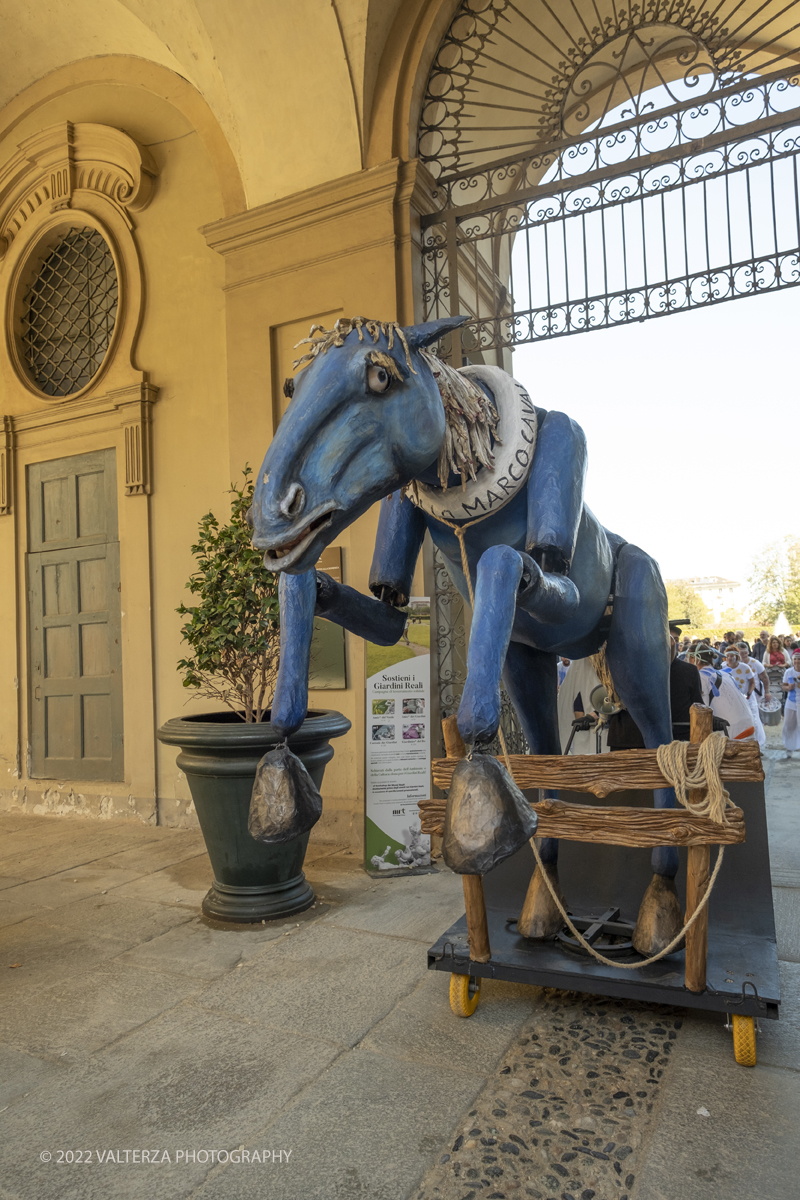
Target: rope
column 706, row 768
column 600, row 665
column 672, row 763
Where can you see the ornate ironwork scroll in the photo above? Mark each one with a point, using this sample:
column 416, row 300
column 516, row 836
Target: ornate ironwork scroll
column 509, row 75
column 692, row 206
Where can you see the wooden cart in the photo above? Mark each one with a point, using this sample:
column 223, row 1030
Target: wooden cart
column 730, row 961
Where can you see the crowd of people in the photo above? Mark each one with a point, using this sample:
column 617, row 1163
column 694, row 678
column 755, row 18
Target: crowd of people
column 740, row 682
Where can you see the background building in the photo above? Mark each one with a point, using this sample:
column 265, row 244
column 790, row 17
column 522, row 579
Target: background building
column 720, row 595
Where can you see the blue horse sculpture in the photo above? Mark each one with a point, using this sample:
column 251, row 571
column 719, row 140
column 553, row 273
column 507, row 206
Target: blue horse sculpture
column 375, row 416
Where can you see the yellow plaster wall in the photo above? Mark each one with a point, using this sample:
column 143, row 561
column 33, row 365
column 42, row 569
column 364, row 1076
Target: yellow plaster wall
column 182, row 348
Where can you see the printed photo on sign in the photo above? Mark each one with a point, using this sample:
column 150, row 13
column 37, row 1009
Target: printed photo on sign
column 399, row 754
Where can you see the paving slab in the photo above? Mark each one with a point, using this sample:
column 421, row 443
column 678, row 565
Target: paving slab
column 176, row 846
column 783, row 805
column 56, row 891
column 335, row 983
column 81, row 1014
column 197, row 950
column 116, row 917
column 190, row 1081
column 366, row 1131
column 422, row 1027
column 30, row 956
column 748, row 1145
column 415, row 907
column 72, row 846
column 22, row 1073
column 184, row 882
column 787, row 922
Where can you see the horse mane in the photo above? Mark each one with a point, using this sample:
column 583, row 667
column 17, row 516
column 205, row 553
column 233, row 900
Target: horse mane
column 471, row 418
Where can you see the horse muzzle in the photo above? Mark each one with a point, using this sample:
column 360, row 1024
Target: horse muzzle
column 284, row 553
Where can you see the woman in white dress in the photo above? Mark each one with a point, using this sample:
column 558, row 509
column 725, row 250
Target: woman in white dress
column 791, row 726
column 760, row 688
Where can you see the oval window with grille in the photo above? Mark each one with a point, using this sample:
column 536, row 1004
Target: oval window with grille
column 68, row 312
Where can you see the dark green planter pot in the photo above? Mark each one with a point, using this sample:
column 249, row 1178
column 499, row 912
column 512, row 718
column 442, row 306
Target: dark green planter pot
column 219, row 755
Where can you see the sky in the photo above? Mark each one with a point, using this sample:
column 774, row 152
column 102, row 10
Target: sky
column 690, row 421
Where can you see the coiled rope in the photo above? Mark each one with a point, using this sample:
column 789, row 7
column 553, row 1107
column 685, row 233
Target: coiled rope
column 673, row 766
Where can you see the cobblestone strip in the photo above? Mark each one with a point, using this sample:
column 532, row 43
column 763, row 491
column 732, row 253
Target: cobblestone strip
column 569, row 1108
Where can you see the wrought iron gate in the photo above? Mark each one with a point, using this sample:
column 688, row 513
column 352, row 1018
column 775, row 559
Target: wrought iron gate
column 663, row 176
column 604, row 230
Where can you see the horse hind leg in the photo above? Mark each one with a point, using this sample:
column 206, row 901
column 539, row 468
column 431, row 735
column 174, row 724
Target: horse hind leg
column 531, row 680
column 638, row 658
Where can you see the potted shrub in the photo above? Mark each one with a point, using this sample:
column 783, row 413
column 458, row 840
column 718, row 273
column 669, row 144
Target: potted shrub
column 232, row 639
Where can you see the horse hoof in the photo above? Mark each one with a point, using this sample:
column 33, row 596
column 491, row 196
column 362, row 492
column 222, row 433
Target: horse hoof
column 540, row 917
column 660, row 917
column 487, row 818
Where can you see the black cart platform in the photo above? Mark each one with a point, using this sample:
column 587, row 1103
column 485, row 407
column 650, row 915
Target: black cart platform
column 742, row 974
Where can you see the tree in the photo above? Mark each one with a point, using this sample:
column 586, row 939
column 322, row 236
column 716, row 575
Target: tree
column 233, row 632
column 775, row 581
column 684, row 601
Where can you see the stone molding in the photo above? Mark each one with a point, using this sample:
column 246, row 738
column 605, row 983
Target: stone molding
column 292, row 214
column 6, row 466
column 128, row 408
column 49, row 167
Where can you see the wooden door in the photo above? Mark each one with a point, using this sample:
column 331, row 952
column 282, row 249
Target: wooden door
column 74, row 619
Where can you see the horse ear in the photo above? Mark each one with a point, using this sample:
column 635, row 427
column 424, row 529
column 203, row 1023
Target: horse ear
column 418, row 336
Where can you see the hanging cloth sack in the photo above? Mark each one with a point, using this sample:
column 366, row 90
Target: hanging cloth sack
column 285, row 802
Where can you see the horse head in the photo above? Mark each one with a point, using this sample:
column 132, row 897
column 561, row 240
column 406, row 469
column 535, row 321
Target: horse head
column 365, row 418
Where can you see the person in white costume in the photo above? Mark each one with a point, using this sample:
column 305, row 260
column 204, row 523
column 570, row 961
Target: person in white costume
column 722, row 695
column 579, row 683
column 761, row 690
column 746, row 677
column 791, row 725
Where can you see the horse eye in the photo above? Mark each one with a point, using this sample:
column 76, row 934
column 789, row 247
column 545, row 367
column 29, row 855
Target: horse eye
column 378, row 379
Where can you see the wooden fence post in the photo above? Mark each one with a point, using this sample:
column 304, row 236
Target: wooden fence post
column 697, row 873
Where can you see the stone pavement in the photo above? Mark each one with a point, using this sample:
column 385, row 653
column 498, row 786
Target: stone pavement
column 129, row 1024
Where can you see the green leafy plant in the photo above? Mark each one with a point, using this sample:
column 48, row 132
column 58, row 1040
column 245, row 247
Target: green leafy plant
column 233, row 630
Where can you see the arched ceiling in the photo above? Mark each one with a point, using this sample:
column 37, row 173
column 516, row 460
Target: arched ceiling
column 511, row 74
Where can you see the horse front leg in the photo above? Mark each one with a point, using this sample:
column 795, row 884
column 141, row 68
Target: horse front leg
column 302, row 597
column 297, row 595
column 487, row 818
column 496, row 588
column 506, row 580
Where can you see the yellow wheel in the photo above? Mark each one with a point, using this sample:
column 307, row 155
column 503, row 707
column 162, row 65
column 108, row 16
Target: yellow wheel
column 465, row 991
column 744, row 1040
